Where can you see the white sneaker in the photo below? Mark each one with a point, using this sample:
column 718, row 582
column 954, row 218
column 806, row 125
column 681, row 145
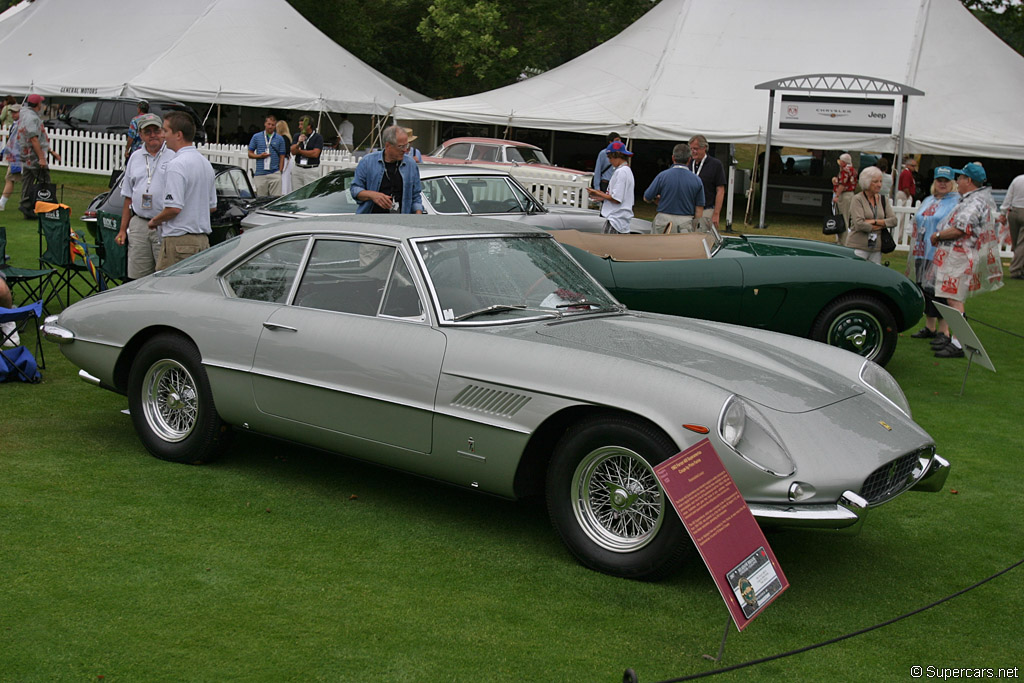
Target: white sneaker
column 12, row 329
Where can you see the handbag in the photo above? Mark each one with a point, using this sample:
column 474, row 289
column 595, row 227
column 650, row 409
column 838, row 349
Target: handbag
column 887, row 244
column 833, row 223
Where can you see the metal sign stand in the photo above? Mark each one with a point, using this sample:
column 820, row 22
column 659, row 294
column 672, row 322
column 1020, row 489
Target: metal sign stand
column 721, row 648
column 968, row 338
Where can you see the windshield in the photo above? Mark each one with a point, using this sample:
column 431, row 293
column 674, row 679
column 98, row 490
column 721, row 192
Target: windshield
column 503, row 278
column 329, row 194
column 526, row 155
column 481, row 194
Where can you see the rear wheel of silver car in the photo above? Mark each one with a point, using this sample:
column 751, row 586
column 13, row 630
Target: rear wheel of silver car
column 171, row 403
column 606, row 503
column 859, row 324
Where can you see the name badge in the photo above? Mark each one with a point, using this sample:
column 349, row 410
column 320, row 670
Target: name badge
column 304, row 161
column 147, row 202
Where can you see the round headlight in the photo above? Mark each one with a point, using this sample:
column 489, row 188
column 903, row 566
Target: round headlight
column 733, row 421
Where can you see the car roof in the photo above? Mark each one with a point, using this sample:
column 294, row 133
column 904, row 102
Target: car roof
column 396, row 226
column 436, row 170
column 491, row 141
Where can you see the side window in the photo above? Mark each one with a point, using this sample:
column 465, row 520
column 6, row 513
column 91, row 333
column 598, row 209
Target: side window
column 401, row 299
column 459, row 150
column 268, row 276
column 442, row 196
column 84, row 112
column 124, row 113
column 225, row 186
column 345, row 276
column 105, row 114
column 241, row 183
column 485, row 153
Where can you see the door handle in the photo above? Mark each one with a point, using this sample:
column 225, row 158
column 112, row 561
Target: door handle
column 275, row 326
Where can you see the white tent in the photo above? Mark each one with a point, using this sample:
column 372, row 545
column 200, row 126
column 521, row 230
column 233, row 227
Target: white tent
column 243, row 52
column 690, row 66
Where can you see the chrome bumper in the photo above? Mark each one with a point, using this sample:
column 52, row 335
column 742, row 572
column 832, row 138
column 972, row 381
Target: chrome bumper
column 933, row 474
column 848, row 514
column 55, row 333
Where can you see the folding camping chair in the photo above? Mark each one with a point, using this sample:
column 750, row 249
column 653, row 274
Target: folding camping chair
column 67, row 253
column 19, row 316
column 113, row 256
column 30, row 283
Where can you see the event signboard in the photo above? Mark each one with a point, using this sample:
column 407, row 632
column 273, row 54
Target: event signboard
column 724, row 531
column 842, row 114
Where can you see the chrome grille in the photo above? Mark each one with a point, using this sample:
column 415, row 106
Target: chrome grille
column 890, row 479
column 493, row 401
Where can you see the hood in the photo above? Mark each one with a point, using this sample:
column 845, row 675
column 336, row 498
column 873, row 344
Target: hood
column 764, row 367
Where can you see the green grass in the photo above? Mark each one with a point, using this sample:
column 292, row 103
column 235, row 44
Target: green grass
column 285, row 563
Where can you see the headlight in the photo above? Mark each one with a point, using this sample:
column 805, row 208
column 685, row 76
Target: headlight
column 744, row 429
column 885, row 385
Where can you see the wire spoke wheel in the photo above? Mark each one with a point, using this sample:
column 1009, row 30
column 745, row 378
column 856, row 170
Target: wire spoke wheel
column 170, row 400
column 616, row 499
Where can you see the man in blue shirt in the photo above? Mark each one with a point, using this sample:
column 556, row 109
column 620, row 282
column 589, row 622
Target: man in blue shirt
column 603, row 168
column 269, row 150
column 388, row 181
column 679, row 194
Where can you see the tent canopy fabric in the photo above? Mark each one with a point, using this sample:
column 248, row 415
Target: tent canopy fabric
column 690, row 66
column 243, row 52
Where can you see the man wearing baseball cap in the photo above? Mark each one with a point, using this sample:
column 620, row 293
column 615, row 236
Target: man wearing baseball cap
column 142, row 190
column 617, row 207
column 34, row 147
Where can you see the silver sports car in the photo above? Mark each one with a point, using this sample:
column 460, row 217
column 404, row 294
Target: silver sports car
column 447, row 191
column 481, row 354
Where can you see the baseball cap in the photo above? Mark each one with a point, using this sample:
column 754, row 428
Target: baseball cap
column 14, row 108
column 618, row 146
column 945, row 172
column 34, row 99
column 975, row 172
column 150, row 120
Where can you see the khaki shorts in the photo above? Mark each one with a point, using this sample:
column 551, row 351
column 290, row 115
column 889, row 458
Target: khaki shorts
column 143, row 247
column 268, row 184
column 174, row 249
column 675, row 223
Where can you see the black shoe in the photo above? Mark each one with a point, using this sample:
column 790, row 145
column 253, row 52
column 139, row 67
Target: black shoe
column 924, row 333
column 950, row 351
column 1017, row 277
column 939, row 341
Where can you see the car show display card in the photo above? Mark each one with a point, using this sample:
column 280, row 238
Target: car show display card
column 724, row 531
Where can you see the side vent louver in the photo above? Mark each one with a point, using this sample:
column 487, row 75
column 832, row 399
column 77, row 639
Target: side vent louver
column 492, row 401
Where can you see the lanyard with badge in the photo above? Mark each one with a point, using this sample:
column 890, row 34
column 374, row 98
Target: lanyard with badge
column 265, row 162
column 147, row 198
column 304, row 160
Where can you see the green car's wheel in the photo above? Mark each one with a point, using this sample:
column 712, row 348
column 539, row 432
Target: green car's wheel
column 171, row 403
column 606, row 503
column 859, row 324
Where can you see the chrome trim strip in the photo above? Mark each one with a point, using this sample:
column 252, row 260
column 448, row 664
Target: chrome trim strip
column 472, row 456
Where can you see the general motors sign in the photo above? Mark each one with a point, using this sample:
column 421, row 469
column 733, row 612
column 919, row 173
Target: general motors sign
column 845, row 114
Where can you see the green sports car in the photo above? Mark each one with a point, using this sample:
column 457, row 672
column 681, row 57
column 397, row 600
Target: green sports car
column 802, row 287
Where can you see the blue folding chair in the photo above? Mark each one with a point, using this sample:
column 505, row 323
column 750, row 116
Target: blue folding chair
column 18, row 316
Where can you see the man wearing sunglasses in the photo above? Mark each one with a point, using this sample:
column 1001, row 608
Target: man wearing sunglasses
column 388, row 181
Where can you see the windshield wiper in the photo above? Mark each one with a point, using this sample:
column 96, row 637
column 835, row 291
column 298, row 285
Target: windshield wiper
column 583, row 301
column 500, row 308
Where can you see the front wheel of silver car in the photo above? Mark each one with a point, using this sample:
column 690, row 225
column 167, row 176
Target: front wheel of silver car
column 859, row 324
column 171, row 402
column 605, row 501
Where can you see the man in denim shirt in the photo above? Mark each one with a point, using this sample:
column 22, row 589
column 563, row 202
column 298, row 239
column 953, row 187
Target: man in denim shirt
column 268, row 149
column 388, row 181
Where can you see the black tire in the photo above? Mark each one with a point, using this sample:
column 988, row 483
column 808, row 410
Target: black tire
column 860, row 324
column 605, row 501
column 171, row 403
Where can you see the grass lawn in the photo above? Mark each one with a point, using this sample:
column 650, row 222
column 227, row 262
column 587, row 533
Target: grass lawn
column 284, row 563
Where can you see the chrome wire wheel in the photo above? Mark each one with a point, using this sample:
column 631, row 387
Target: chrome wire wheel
column 170, row 400
column 616, row 499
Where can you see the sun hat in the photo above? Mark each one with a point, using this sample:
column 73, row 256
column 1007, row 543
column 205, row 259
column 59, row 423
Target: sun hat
column 618, row 146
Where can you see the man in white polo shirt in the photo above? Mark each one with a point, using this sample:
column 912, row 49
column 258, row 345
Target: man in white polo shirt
column 143, row 192
column 189, row 195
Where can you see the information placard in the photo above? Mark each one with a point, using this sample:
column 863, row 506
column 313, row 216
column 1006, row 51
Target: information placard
column 724, row 531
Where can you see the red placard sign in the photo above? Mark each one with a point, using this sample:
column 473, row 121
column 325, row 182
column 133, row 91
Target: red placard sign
column 729, row 540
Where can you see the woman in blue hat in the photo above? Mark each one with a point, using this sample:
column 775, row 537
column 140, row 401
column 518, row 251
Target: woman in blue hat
column 930, row 215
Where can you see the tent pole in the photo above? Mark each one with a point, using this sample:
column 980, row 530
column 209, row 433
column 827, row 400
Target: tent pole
column 218, row 123
column 767, row 155
column 899, row 147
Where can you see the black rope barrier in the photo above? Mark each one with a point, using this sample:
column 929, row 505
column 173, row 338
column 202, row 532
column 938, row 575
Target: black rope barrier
column 630, row 676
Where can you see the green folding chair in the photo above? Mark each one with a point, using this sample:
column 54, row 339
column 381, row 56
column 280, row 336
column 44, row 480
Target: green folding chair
column 27, row 284
column 76, row 269
column 113, row 256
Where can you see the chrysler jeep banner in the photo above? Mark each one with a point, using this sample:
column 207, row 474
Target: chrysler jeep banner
column 844, row 114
